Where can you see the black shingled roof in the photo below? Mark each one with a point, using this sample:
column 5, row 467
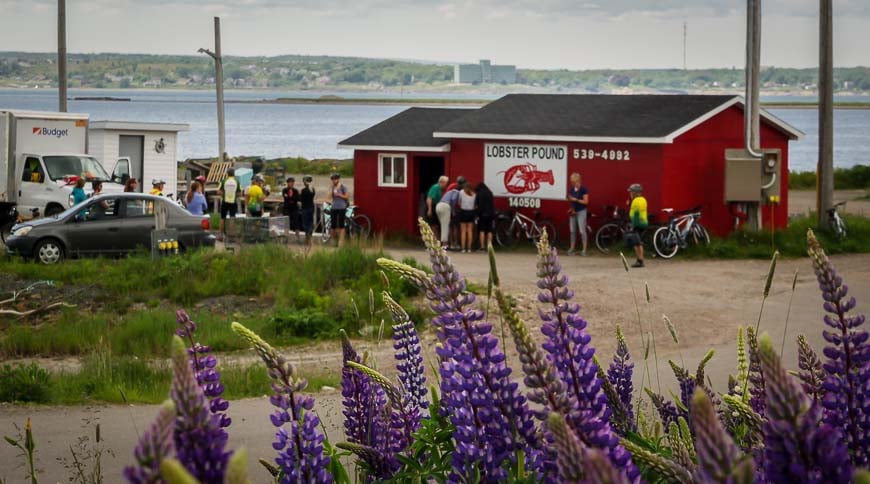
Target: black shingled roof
column 412, row 127
column 586, row 115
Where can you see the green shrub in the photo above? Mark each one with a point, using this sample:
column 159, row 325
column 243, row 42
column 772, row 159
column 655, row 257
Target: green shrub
column 305, row 323
column 852, row 178
column 24, row 383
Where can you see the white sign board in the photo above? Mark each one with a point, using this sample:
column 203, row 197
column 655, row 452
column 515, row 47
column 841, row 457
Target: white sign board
column 43, row 136
column 520, row 170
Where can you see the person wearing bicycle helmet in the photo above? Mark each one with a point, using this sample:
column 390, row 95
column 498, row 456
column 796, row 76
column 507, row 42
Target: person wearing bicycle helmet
column 306, row 212
column 637, row 212
column 339, row 200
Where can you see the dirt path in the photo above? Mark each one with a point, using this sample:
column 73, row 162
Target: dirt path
column 707, row 301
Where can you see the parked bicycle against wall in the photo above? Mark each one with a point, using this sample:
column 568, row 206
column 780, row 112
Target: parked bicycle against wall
column 682, row 228
column 836, row 222
column 356, row 224
column 610, row 236
column 512, row 227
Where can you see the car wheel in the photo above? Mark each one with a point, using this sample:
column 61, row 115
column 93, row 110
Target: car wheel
column 48, row 251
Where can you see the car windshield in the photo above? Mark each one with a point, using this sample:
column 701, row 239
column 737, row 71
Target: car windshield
column 66, row 165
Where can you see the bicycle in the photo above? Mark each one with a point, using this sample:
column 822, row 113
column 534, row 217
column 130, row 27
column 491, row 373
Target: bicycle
column 611, row 234
column 510, row 227
column 836, row 223
column 355, row 224
column 681, row 229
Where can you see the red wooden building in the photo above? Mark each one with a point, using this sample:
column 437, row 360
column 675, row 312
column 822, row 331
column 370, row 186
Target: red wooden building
column 524, row 146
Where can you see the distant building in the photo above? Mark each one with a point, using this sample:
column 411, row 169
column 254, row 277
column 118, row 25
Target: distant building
column 484, row 73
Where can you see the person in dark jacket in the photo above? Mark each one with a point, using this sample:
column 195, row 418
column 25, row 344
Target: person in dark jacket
column 485, row 214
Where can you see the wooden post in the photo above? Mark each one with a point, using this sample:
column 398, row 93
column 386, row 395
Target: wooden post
column 219, row 82
column 825, row 169
column 61, row 56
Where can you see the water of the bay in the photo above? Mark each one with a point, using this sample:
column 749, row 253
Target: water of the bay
column 313, row 130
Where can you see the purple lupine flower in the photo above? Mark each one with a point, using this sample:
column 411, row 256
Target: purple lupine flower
column 719, row 460
column 798, row 446
column 756, row 377
column 847, row 386
column 199, row 439
column 491, row 417
column 367, row 417
column 568, row 346
column 667, row 410
column 409, row 355
column 300, row 447
column 619, row 375
column 155, row 445
column 578, row 463
column 812, row 373
column 204, row 366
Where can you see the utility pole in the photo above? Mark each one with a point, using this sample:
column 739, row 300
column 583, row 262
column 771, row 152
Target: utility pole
column 685, row 35
column 751, row 110
column 219, row 85
column 825, row 169
column 61, row 55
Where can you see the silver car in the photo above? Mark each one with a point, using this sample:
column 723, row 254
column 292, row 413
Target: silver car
column 110, row 224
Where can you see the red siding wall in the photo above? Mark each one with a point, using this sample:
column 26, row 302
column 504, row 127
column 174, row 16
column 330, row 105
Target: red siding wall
column 695, row 167
column 606, row 180
column 681, row 175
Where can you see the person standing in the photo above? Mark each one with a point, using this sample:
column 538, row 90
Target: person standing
column 131, row 185
column 229, row 191
column 467, row 214
column 157, row 185
column 637, row 212
column 290, row 209
column 255, row 197
column 339, row 200
column 79, row 195
column 444, row 210
column 578, row 195
column 433, row 196
column 306, row 198
column 196, row 203
column 485, row 214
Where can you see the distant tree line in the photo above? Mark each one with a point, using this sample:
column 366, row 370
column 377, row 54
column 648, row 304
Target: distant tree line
column 296, row 71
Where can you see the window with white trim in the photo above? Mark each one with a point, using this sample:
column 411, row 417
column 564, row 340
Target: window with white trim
column 392, row 170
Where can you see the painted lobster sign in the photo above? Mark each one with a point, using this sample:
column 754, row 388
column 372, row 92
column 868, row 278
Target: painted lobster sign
column 535, row 171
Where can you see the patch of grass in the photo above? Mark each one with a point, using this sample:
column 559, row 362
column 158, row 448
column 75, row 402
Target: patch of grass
column 127, row 379
column 790, row 242
column 295, row 296
column 856, row 177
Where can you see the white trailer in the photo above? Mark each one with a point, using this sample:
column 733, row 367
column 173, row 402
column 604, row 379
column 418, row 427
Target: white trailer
column 145, row 151
column 42, row 154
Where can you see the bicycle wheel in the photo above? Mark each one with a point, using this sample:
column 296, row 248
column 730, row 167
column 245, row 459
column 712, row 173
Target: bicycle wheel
column 699, row 235
column 361, row 226
column 504, row 235
column 608, row 237
column 839, row 227
column 666, row 242
column 327, row 231
column 549, row 228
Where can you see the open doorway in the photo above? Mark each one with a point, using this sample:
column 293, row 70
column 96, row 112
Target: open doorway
column 429, row 169
column 133, row 147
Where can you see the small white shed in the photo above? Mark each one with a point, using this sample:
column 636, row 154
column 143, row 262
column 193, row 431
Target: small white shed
column 150, row 147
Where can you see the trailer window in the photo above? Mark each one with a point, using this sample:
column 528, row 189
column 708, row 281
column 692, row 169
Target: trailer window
column 61, row 166
column 392, row 170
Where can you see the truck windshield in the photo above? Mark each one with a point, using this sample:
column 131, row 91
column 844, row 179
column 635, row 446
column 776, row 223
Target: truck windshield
column 65, row 165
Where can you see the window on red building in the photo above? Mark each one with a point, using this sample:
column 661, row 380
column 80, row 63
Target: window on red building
column 391, row 170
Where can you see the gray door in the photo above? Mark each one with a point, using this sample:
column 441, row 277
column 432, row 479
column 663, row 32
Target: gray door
column 133, row 147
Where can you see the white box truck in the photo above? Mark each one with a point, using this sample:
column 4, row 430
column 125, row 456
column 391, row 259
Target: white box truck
column 41, row 157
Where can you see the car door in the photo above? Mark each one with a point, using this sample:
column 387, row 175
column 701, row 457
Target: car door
column 35, row 190
column 136, row 223
column 95, row 230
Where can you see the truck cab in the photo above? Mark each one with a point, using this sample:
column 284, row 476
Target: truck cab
column 46, row 181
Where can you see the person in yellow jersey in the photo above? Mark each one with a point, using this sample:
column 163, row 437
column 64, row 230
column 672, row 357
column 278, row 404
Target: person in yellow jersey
column 157, row 185
column 637, row 212
column 256, row 195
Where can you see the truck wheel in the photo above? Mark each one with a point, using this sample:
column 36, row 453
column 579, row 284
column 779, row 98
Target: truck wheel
column 48, row 251
column 53, row 210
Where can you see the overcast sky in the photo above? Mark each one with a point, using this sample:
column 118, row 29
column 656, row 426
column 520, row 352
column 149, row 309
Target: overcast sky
column 573, row 34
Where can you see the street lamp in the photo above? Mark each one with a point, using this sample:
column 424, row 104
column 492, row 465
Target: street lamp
column 219, row 85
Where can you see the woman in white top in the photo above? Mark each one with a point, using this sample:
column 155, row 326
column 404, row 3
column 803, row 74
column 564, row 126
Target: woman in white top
column 467, row 215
